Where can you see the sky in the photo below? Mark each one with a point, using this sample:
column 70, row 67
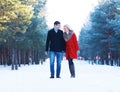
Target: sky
column 75, row 13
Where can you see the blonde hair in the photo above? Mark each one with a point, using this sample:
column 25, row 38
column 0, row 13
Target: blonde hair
column 69, row 28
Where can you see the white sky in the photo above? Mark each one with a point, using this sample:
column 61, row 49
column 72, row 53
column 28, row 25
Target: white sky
column 71, row 12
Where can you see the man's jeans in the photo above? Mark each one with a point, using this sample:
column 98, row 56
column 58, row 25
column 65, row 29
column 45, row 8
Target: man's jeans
column 59, row 56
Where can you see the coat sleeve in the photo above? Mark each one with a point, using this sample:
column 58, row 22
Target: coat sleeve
column 47, row 41
column 63, row 43
column 76, row 42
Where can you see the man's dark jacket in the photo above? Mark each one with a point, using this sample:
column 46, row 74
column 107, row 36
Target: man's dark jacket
column 55, row 41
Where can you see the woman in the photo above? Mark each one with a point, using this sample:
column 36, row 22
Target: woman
column 71, row 48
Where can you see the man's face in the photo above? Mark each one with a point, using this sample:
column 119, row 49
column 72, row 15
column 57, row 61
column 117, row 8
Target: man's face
column 57, row 26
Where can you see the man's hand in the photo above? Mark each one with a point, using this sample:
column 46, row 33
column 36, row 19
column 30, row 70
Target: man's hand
column 46, row 52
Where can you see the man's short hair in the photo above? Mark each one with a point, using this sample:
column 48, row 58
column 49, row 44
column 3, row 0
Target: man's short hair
column 56, row 22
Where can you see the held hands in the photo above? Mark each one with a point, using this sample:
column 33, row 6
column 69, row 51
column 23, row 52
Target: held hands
column 78, row 52
column 46, row 52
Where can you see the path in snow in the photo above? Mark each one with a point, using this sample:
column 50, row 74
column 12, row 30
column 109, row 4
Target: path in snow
column 35, row 78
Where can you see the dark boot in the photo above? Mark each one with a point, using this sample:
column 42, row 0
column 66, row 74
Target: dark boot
column 72, row 70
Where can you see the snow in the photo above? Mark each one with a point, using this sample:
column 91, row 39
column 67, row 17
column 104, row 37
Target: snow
column 35, row 78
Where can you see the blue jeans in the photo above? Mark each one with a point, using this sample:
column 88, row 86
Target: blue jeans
column 59, row 56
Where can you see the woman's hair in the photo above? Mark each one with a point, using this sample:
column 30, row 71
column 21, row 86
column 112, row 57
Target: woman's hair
column 69, row 28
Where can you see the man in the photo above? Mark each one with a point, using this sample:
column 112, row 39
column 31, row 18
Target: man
column 55, row 45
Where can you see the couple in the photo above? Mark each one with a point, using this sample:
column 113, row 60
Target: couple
column 58, row 42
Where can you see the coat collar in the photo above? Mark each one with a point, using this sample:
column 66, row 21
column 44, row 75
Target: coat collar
column 67, row 36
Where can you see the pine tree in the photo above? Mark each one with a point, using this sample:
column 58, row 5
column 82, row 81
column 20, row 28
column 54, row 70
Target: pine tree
column 23, row 31
column 37, row 32
column 104, row 31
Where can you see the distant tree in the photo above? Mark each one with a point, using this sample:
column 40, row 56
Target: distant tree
column 37, row 32
column 103, row 33
column 22, row 31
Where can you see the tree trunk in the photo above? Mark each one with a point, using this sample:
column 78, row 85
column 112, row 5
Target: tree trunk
column 14, row 59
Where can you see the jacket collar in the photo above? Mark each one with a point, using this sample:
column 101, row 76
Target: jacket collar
column 67, row 36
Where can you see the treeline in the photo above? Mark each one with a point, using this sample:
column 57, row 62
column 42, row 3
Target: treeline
column 22, row 32
column 99, row 39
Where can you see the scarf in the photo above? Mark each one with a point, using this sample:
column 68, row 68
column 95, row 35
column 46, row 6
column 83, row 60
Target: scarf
column 68, row 35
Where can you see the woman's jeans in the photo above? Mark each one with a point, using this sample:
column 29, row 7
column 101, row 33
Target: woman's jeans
column 59, row 56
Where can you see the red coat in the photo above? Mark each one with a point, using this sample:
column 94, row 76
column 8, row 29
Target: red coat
column 72, row 47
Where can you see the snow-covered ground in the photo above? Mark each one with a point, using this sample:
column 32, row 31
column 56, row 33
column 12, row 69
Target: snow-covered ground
column 35, row 78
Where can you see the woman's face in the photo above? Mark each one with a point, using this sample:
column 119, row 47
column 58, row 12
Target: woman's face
column 65, row 29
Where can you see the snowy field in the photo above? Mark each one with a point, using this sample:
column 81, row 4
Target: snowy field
column 35, row 78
